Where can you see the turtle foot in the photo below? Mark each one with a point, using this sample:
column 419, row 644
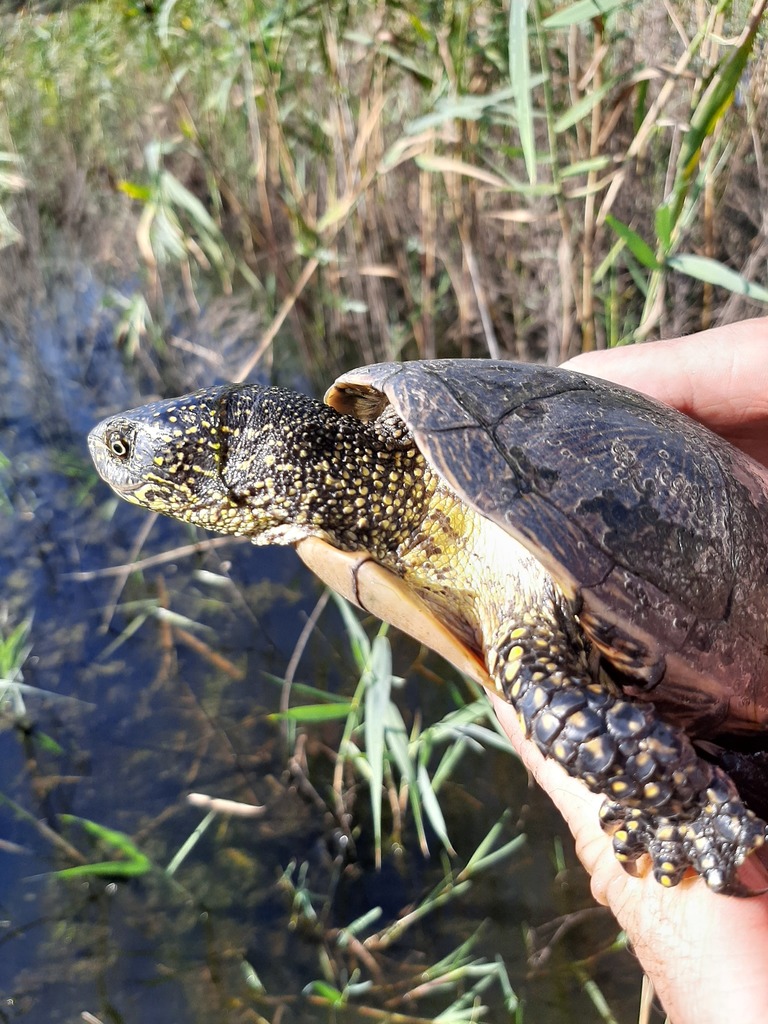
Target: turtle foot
column 663, row 798
column 714, row 843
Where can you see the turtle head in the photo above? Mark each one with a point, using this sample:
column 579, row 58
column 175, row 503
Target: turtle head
column 204, row 458
column 266, row 463
column 168, row 456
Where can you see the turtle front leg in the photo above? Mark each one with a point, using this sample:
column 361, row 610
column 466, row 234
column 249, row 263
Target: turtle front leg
column 661, row 797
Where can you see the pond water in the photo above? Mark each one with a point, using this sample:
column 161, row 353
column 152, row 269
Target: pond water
column 145, row 685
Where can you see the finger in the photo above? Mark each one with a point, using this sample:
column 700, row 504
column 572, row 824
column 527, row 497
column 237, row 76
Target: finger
column 702, row 951
column 719, row 377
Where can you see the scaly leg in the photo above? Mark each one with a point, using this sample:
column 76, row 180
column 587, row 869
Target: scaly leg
column 661, row 797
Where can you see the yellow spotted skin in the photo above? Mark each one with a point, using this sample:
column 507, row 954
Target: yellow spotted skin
column 295, row 468
column 278, row 467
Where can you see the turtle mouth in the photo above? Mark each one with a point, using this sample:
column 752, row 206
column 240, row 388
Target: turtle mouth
column 127, row 487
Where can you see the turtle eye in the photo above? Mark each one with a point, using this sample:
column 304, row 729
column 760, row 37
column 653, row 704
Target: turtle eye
column 119, row 444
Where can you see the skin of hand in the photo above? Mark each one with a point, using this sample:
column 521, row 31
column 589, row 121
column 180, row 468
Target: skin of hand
column 706, row 954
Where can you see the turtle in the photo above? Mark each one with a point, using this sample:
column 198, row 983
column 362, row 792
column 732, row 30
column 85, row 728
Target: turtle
column 595, row 557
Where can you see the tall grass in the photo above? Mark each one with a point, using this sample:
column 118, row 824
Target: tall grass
column 395, row 181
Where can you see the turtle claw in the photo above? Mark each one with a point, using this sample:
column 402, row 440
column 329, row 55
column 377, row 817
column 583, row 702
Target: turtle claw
column 714, row 844
column 742, row 891
column 720, row 839
column 635, row 834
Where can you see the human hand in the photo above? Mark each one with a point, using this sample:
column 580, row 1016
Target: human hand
column 719, row 377
column 704, row 953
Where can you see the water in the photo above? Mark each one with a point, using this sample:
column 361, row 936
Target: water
column 138, row 708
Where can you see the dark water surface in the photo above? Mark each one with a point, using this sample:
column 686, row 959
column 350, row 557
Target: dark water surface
column 141, row 708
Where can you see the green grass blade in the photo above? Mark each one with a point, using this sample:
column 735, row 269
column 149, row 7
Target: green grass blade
column 397, row 743
column 639, row 248
column 520, row 77
column 432, row 808
column 663, row 221
column 377, row 691
column 14, row 649
column 464, row 108
column 359, row 643
column 132, row 863
column 313, row 712
column 398, row 746
column 716, row 100
column 189, row 844
column 582, row 11
column 705, row 269
column 304, row 689
column 578, row 167
column 579, row 110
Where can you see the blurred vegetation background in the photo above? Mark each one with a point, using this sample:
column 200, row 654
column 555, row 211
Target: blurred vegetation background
column 197, row 190
column 392, row 180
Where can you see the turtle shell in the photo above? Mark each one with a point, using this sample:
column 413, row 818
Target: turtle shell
column 655, row 528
